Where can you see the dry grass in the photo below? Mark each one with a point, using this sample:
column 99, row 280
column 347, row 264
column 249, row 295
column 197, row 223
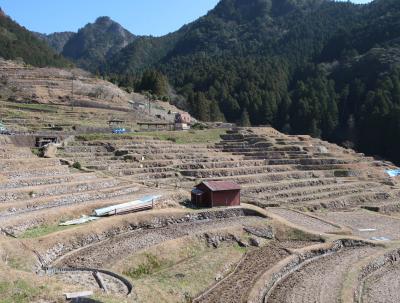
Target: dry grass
column 185, row 267
column 21, row 287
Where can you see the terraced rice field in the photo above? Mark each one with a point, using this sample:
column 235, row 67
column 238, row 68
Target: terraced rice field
column 366, row 224
column 301, row 190
column 236, row 287
column 320, row 280
column 383, row 285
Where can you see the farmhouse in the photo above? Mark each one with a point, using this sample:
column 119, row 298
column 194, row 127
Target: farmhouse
column 216, row 193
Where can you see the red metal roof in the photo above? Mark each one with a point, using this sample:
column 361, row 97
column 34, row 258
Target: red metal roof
column 221, row 185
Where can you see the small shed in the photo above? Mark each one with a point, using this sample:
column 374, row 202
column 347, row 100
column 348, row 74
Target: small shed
column 216, row 194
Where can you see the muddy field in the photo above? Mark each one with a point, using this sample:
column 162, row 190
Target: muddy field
column 320, row 280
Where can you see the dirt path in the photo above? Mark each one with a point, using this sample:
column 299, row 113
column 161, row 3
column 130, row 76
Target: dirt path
column 304, row 221
column 235, row 288
column 106, row 253
column 319, row 281
column 383, row 286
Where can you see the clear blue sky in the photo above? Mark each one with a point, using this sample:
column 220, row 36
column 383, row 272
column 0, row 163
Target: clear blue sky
column 141, row 17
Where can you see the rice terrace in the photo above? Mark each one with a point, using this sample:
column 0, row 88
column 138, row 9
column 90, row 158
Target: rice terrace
column 203, row 165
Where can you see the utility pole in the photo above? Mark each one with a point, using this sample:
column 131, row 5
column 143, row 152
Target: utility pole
column 72, row 93
column 149, row 99
column 149, row 108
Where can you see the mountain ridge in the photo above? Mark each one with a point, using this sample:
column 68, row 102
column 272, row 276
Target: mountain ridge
column 96, row 42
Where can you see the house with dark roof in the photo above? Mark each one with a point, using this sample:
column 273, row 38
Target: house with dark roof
column 216, row 194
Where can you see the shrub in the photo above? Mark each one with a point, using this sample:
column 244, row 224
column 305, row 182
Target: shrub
column 77, row 165
column 151, row 265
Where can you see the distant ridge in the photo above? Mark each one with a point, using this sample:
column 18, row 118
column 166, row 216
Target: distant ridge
column 97, row 42
column 56, row 41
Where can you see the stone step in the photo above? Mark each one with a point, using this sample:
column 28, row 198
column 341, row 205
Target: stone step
column 276, row 177
column 46, row 180
column 312, row 198
column 166, row 151
column 274, row 187
column 84, row 155
column 35, row 192
column 14, row 164
column 84, row 149
column 344, row 201
column 309, row 193
column 14, row 208
column 14, row 153
column 126, row 171
column 304, row 161
column 120, row 164
column 221, row 164
column 238, row 171
column 45, row 171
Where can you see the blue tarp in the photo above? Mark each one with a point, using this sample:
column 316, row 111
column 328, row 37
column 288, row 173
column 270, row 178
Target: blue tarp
column 393, row 172
column 119, row 131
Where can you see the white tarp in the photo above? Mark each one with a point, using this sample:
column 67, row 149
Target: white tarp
column 367, row 229
column 145, row 202
column 379, row 239
column 82, row 220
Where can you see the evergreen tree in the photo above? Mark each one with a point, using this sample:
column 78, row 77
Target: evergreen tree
column 245, row 119
column 154, row 82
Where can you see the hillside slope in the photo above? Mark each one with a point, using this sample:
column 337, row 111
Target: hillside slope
column 56, row 41
column 17, row 42
column 97, row 42
column 36, row 99
column 300, row 66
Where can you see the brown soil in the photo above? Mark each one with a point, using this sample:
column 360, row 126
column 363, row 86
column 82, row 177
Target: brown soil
column 107, row 253
column 319, row 281
column 360, row 220
column 383, row 286
column 236, row 287
column 304, row 220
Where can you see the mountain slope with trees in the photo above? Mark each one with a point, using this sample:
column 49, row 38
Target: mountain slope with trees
column 325, row 68
column 56, row 41
column 97, row 42
column 16, row 42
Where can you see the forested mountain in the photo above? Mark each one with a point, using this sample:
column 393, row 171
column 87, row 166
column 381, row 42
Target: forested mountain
column 56, row 41
column 97, row 42
column 326, row 68
column 17, row 42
